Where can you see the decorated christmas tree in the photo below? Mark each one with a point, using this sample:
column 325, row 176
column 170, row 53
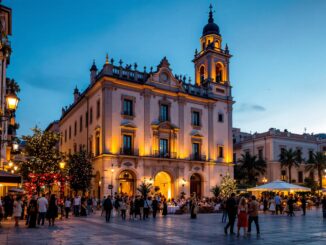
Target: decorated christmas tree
column 228, row 186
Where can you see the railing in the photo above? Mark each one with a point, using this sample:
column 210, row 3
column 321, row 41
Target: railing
column 160, row 154
column 197, row 157
column 128, row 151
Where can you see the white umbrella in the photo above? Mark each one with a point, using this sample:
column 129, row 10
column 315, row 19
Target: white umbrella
column 279, row 185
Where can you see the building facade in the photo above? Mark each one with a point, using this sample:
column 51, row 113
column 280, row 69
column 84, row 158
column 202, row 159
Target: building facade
column 156, row 127
column 269, row 145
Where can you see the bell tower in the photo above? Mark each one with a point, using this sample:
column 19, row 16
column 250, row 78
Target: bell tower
column 211, row 62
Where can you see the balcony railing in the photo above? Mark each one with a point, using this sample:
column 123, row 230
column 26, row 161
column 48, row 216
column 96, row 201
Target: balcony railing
column 197, row 157
column 128, row 151
column 160, row 154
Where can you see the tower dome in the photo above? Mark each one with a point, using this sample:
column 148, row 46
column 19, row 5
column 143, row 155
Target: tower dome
column 211, row 27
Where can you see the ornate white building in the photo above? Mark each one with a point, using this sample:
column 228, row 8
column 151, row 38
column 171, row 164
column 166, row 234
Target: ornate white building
column 154, row 126
column 268, row 146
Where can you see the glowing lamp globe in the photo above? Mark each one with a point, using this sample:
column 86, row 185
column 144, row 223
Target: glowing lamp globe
column 12, row 102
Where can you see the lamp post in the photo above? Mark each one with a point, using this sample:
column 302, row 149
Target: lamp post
column 62, row 165
column 11, row 106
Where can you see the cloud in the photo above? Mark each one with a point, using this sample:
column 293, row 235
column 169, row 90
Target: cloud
column 245, row 107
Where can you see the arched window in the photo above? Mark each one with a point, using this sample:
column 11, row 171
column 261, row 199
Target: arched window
column 219, row 73
column 202, row 73
column 203, row 46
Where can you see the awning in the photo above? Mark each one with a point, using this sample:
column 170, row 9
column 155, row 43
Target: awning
column 6, row 177
column 279, row 185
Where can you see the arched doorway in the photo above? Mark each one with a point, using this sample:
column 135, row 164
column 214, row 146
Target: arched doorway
column 163, row 184
column 127, row 182
column 195, row 184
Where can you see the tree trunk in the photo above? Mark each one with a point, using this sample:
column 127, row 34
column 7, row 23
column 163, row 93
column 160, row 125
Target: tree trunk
column 290, row 175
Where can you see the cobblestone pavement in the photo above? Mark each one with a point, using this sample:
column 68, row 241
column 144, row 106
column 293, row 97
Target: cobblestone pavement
column 174, row 229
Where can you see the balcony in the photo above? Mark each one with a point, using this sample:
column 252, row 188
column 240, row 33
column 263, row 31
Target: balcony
column 197, row 157
column 165, row 154
column 129, row 152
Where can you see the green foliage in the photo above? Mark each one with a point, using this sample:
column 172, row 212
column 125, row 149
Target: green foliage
column 310, row 183
column 318, row 163
column 249, row 169
column 216, row 190
column 80, row 171
column 144, row 188
column 289, row 159
column 12, row 86
column 228, row 186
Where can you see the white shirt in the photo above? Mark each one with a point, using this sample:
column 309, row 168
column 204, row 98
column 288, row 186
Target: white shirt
column 77, row 201
column 67, row 203
column 42, row 204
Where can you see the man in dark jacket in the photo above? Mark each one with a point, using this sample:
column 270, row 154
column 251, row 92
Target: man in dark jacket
column 108, row 208
column 155, row 207
column 231, row 208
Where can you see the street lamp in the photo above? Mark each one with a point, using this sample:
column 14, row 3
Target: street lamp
column 10, row 164
column 62, row 165
column 264, row 180
column 15, row 168
column 12, row 101
column 15, row 146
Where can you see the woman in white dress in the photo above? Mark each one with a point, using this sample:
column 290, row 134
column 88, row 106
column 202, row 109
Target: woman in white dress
column 17, row 212
column 272, row 206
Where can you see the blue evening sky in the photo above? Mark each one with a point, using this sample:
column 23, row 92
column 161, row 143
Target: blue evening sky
column 278, row 71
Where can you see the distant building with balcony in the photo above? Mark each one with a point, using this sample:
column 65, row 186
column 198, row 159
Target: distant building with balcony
column 269, row 145
column 154, row 126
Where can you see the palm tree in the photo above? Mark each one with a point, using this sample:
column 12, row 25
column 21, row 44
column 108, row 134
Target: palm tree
column 289, row 159
column 251, row 167
column 317, row 162
column 216, row 190
column 144, row 189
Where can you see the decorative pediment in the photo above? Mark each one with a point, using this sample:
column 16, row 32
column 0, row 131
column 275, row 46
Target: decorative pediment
column 128, row 124
column 164, row 125
column 164, row 77
column 196, row 133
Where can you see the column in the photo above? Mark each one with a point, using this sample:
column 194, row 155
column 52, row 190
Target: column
column 147, row 125
column 211, row 145
column 181, row 104
column 106, row 118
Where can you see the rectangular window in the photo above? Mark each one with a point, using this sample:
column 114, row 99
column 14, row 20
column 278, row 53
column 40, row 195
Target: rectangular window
column 195, row 118
column 260, row 154
column 81, row 123
column 164, row 113
column 80, row 148
column 75, row 131
column 66, row 135
column 220, row 151
column 127, row 107
column 86, row 119
column 69, row 132
column 127, row 144
column 311, row 155
column 97, row 145
column 282, row 152
column 98, row 109
column 90, row 146
column 61, row 138
column 75, row 148
column 299, row 153
column 300, row 177
column 196, row 151
column 164, row 147
column 91, row 115
column 220, row 117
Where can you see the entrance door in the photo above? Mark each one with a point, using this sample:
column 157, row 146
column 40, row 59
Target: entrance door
column 195, row 184
column 127, row 183
column 163, row 184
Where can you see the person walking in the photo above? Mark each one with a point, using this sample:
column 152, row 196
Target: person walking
column 242, row 216
column 67, row 207
column 17, row 210
column 231, row 207
column 165, row 208
column 123, row 208
column 303, row 205
column 193, row 206
column 42, row 204
column 290, row 204
column 52, row 210
column 108, row 206
column 253, row 208
column 155, row 205
column 32, row 212
column 224, row 211
column 277, row 203
column 77, row 204
column 147, row 205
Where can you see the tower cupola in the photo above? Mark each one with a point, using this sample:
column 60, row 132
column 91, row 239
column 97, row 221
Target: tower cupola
column 211, row 27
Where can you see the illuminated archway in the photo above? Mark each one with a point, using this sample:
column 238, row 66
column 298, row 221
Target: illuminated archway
column 163, row 184
column 219, row 71
column 127, row 183
column 196, row 184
